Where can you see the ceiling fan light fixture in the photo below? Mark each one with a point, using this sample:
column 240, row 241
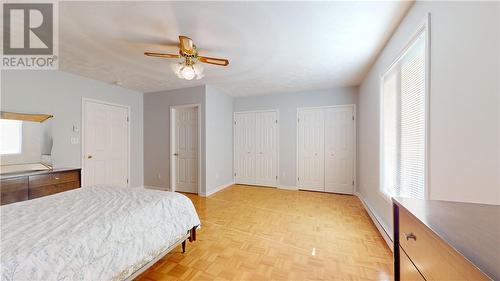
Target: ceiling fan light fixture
column 188, row 72
column 188, row 66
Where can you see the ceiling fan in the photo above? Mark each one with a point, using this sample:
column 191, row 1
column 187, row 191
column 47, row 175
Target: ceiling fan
column 187, row 67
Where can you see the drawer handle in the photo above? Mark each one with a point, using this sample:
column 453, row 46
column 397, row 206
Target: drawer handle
column 56, row 178
column 411, row 236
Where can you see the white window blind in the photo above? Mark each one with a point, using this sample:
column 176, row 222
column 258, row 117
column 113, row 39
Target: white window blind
column 403, row 114
column 10, row 136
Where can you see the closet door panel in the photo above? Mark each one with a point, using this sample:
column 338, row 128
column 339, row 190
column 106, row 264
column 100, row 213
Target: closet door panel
column 244, row 148
column 311, row 149
column 339, row 150
column 266, row 148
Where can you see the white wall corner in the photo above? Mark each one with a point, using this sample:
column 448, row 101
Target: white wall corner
column 376, row 221
column 217, row 189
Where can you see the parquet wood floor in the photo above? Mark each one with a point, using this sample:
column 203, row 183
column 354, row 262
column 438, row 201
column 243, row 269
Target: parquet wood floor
column 256, row 233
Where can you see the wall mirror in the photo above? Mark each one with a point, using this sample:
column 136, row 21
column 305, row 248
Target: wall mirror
column 25, row 142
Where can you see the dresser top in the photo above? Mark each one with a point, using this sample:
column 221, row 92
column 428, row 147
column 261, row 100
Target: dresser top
column 32, row 173
column 471, row 229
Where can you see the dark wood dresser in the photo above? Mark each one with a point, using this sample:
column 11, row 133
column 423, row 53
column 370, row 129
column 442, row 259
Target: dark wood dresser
column 23, row 186
column 439, row 240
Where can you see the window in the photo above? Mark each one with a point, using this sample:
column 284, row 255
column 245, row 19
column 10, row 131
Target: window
column 403, row 123
column 11, row 132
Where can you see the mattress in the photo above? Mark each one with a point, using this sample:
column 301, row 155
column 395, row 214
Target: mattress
column 91, row 233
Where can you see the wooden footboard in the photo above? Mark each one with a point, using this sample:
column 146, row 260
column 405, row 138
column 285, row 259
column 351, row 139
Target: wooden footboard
column 192, row 232
column 191, row 237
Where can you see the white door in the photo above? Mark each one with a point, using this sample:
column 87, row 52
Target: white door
column 244, row 148
column 310, row 149
column 339, row 150
column 105, row 148
column 266, row 137
column 186, row 150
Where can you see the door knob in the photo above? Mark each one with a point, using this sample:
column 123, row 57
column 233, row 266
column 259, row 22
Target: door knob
column 176, row 154
column 89, row 157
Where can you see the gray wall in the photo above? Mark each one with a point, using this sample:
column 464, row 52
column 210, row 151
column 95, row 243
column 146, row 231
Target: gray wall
column 157, row 133
column 219, row 139
column 287, row 105
column 60, row 94
column 464, row 105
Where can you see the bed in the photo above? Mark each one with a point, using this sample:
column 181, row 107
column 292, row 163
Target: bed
column 93, row 233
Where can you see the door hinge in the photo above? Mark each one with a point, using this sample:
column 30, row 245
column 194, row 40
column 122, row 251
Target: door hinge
column 276, row 121
column 353, row 182
column 276, row 177
column 127, row 118
column 235, row 174
column 298, row 179
column 127, row 181
column 353, row 117
column 298, row 120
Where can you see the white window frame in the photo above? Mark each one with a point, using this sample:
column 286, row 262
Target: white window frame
column 20, row 139
column 423, row 27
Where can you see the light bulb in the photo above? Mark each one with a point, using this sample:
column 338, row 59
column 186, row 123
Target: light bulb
column 176, row 67
column 188, row 72
column 199, row 71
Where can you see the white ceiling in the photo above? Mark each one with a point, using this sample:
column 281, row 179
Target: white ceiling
column 273, row 47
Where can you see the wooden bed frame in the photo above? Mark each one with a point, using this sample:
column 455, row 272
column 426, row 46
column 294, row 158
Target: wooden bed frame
column 189, row 236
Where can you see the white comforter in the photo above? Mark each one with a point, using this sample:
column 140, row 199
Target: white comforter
column 92, row 233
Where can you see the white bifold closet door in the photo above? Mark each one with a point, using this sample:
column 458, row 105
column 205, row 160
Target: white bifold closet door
column 266, row 148
column 244, row 148
column 311, row 143
column 339, row 150
column 255, row 148
column 325, row 142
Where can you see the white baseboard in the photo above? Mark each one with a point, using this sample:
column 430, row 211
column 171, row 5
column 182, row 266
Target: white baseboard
column 376, row 221
column 287, row 187
column 156, row 187
column 217, row 189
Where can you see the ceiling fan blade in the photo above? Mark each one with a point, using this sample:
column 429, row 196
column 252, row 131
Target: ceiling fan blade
column 161, row 55
column 216, row 61
column 186, row 45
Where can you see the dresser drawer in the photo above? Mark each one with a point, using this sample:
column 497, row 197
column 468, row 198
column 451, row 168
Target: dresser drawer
column 40, row 191
column 407, row 271
column 53, row 178
column 434, row 258
column 13, row 190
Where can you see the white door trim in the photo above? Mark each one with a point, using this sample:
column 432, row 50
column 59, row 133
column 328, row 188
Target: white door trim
column 355, row 141
column 277, row 141
column 82, row 137
column 172, row 143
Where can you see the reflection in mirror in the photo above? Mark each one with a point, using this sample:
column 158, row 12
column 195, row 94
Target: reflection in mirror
column 25, row 145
